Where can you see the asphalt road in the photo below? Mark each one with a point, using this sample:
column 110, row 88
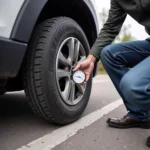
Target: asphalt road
column 19, row 126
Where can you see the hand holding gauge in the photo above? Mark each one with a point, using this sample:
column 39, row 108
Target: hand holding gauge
column 83, row 70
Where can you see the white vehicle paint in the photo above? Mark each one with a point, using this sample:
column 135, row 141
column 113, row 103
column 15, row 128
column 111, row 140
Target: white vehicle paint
column 9, row 10
column 97, row 12
column 95, row 8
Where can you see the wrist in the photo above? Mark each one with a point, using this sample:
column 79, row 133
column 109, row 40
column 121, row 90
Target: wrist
column 91, row 58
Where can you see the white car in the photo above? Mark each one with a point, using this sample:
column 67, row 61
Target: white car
column 40, row 43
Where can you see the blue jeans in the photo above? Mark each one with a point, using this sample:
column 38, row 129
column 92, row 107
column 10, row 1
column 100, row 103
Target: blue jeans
column 128, row 65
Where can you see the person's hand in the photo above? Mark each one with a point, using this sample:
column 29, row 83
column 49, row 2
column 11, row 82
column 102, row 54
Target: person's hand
column 86, row 66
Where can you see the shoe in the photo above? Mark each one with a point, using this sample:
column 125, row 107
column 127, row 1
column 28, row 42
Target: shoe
column 128, row 122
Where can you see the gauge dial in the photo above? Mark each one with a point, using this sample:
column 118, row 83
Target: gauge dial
column 79, row 77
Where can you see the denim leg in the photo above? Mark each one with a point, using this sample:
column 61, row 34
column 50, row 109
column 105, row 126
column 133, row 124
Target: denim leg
column 117, row 59
column 135, row 86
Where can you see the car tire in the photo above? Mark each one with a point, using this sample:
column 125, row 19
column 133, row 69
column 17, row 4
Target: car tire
column 44, row 82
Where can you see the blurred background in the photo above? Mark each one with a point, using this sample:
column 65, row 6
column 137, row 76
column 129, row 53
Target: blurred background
column 131, row 30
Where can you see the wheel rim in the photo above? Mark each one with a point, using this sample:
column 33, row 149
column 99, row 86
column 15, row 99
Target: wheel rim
column 70, row 53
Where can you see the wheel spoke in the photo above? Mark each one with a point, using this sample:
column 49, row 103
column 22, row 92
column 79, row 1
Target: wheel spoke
column 63, row 60
column 67, row 90
column 76, row 55
column 62, row 73
column 71, row 45
column 72, row 92
column 80, row 88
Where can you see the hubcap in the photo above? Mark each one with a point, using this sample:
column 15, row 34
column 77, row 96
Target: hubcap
column 70, row 53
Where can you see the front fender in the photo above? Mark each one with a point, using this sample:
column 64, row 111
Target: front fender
column 27, row 19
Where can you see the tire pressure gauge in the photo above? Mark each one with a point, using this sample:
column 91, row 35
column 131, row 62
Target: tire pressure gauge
column 79, row 77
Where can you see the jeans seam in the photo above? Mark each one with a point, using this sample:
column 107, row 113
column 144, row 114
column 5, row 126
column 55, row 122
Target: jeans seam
column 143, row 52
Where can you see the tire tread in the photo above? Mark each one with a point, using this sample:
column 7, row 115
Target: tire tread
column 33, row 78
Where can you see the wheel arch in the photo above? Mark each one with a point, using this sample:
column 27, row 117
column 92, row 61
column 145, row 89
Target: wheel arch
column 33, row 12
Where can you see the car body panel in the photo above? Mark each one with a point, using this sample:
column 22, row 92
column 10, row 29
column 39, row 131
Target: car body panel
column 22, row 33
column 9, row 10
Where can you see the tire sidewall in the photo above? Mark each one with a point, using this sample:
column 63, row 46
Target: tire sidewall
column 62, row 31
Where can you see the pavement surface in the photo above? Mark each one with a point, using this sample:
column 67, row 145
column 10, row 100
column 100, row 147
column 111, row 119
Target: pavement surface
column 22, row 130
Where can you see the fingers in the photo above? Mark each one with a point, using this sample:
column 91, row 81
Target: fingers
column 77, row 67
column 87, row 77
column 81, row 65
column 88, row 74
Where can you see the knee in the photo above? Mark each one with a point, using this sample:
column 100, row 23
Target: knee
column 105, row 53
